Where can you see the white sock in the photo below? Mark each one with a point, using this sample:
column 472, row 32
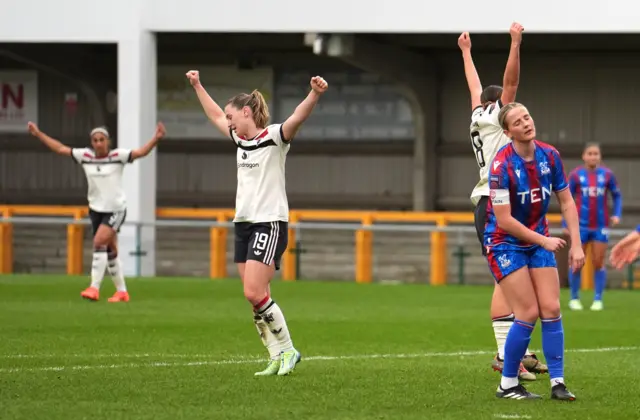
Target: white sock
column 527, row 353
column 98, row 267
column 268, row 339
column 115, row 270
column 500, row 330
column 556, row 381
column 273, row 317
column 506, row 383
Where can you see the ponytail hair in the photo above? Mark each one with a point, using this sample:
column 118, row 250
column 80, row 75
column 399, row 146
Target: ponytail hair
column 256, row 103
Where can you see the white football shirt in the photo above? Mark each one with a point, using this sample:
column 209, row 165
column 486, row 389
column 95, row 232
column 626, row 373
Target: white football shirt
column 104, row 178
column 487, row 137
column 261, row 195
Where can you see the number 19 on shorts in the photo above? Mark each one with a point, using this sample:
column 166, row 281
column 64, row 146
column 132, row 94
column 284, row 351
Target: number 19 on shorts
column 260, row 243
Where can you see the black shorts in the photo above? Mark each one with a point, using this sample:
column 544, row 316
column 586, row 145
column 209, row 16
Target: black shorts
column 264, row 242
column 114, row 220
column 480, row 220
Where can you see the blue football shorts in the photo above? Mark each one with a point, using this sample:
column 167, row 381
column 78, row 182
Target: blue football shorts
column 503, row 262
column 594, row 235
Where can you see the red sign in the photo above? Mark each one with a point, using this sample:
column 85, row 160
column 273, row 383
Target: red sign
column 18, row 100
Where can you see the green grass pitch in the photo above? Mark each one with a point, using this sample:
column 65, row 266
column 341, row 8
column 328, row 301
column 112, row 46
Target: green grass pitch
column 187, row 349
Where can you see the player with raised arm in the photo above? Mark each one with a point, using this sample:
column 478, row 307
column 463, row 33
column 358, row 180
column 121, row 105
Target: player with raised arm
column 590, row 185
column 103, row 168
column 520, row 252
column 627, row 250
column 262, row 210
column 487, row 137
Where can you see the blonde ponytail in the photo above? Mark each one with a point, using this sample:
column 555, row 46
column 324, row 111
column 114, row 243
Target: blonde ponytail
column 256, row 102
column 260, row 109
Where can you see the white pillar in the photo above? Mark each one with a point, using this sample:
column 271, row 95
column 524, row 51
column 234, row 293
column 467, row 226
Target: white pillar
column 137, row 87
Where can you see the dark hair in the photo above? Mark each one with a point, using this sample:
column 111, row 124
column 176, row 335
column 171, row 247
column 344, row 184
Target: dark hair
column 502, row 116
column 491, row 94
column 590, row 145
column 255, row 101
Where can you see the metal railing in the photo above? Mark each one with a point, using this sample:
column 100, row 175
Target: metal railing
column 447, row 240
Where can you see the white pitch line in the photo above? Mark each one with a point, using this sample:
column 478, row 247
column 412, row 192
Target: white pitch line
column 248, row 360
column 252, row 358
column 512, row 416
column 105, row 356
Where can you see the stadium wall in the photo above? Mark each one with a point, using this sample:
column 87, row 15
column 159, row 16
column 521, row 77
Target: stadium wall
column 571, row 96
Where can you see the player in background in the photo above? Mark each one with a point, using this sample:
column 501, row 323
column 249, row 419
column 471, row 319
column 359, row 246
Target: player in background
column 487, row 137
column 262, row 210
column 520, row 252
column 627, row 250
column 103, row 168
column 590, row 185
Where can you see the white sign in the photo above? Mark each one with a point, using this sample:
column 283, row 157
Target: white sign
column 18, row 100
column 178, row 105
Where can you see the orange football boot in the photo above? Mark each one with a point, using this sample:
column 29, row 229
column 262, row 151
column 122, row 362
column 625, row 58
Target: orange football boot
column 90, row 293
column 119, row 297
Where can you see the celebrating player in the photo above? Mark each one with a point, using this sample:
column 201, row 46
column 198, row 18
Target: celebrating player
column 262, row 210
column 627, row 250
column 589, row 185
column 487, row 137
column 522, row 177
column 103, row 168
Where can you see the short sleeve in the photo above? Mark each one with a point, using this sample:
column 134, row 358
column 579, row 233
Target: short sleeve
column 559, row 179
column 278, row 135
column 476, row 113
column 121, row 155
column 499, row 182
column 77, row 154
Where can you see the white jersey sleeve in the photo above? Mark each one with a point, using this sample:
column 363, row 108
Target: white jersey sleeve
column 78, row 153
column 121, row 155
column 477, row 113
column 278, row 134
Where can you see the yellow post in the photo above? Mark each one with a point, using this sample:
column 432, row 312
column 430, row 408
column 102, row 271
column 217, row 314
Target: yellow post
column 364, row 248
column 75, row 245
column 588, row 270
column 6, row 248
column 218, row 259
column 439, row 255
column 289, row 258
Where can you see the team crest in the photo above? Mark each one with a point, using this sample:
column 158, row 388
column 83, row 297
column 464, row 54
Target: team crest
column 544, row 168
column 504, row 261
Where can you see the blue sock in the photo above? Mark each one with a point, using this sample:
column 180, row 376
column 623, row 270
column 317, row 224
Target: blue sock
column 575, row 281
column 516, row 345
column 600, row 279
column 553, row 346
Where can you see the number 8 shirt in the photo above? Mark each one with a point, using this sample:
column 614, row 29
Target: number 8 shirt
column 487, row 137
